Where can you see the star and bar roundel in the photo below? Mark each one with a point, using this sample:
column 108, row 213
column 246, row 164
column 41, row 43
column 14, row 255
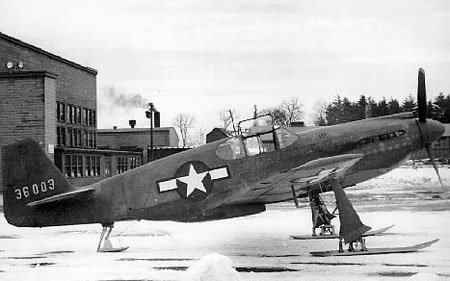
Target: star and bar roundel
column 193, row 180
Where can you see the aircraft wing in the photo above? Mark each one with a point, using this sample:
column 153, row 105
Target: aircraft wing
column 279, row 186
column 303, row 178
column 61, row 196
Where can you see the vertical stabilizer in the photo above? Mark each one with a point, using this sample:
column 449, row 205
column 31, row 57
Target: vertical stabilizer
column 28, row 176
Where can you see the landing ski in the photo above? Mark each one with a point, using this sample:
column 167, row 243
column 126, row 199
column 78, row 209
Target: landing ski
column 336, row 236
column 112, row 250
column 376, row 251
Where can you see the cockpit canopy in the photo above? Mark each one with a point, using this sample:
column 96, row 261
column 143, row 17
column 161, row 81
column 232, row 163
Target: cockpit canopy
column 260, row 140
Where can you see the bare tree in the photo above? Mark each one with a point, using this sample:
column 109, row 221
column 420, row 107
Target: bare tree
column 184, row 121
column 288, row 111
column 319, row 114
column 293, row 109
column 227, row 116
column 200, row 137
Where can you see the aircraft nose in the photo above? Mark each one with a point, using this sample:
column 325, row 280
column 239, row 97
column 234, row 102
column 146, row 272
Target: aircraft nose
column 433, row 130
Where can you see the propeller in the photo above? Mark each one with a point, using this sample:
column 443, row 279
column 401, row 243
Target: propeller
column 422, row 112
column 422, row 97
column 431, row 155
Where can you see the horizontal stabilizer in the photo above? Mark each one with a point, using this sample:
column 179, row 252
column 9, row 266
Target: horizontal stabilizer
column 60, row 197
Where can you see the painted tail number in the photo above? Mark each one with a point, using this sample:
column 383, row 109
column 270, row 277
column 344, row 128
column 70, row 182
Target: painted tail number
column 35, row 189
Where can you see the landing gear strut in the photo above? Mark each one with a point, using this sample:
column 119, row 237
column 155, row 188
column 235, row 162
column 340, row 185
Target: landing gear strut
column 352, row 228
column 321, row 217
column 107, row 245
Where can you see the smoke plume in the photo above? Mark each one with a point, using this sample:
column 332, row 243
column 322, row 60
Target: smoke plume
column 126, row 100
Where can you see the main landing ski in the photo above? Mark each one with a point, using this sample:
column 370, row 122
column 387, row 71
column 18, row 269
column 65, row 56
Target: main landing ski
column 376, row 251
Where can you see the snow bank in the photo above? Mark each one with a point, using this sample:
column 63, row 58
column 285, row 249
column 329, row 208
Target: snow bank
column 411, row 177
column 212, row 267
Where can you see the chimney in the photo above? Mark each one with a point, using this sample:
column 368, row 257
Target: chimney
column 157, row 120
column 132, row 123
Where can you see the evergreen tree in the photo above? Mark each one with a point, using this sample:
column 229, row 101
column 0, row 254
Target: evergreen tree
column 383, row 108
column 362, row 102
column 394, row 106
column 409, row 104
column 430, row 109
column 373, row 107
column 343, row 110
column 442, row 108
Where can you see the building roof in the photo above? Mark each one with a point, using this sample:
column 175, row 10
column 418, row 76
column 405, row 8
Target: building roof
column 221, row 130
column 48, row 54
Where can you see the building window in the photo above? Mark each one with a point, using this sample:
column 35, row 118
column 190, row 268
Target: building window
column 122, row 164
column 75, row 137
column 89, row 118
column 93, row 139
column 61, row 112
column 85, row 117
column 77, row 115
column 94, row 120
column 108, row 167
column 69, row 114
column 69, row 136
column 79, row 139
column 92, row 166
column 61, row 135
column 134, row 162
column 73, row 166
column 85, row 138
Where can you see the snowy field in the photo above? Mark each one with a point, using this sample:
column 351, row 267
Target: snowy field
column 259, row 246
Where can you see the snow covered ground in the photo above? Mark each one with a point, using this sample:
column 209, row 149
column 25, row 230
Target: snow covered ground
column 259, row 246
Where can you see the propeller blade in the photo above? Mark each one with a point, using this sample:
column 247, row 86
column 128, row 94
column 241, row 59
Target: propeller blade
column 422, row 96
column 431, row 155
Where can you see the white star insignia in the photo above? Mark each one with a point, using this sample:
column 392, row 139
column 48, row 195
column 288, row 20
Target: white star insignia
column 194, row 180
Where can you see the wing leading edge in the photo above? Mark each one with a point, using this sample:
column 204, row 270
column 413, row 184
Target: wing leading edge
column 306, row 176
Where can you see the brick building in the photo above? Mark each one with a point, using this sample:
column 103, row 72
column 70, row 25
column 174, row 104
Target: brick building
column 165, row 140
column 54, row 101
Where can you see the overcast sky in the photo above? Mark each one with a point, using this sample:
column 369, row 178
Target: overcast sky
column 202, row 56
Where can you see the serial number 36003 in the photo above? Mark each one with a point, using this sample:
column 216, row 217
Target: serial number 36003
column 35, row 189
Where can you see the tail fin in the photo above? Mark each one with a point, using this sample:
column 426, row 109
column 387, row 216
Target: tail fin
column 29, row 177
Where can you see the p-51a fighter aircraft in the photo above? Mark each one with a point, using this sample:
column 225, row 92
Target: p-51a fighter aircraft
column 232, row 177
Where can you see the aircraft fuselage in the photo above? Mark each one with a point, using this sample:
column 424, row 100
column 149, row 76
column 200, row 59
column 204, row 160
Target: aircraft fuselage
column 199, row 184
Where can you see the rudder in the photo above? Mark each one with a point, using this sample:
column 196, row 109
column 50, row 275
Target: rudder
column 28, row 176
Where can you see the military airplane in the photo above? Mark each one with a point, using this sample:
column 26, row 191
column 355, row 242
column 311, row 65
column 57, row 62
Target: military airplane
column 231, row 177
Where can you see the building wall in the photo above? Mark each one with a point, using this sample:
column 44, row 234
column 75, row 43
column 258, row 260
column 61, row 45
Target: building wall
column 76, row 84
column 27, row 109
column 50, row 115
column 29, row 96
column 130, row 138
